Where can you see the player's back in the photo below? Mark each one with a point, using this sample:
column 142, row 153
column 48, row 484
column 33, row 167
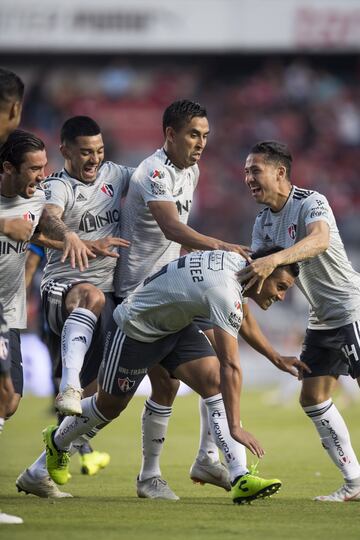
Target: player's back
column 198, row 284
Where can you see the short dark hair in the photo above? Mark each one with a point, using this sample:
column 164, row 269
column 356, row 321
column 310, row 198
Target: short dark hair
column 294, row 268
column 17, row 145
column 181, row 112
column 11, row 86
column 275, row 152
column 79, row 126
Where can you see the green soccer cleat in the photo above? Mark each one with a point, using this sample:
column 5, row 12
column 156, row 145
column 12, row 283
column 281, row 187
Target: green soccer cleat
column 93, row 462
column 249, row 487
column 57, row 461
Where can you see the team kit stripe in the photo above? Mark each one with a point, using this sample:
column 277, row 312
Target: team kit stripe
column 318, row 412
column 113, row 360
column 356, row 328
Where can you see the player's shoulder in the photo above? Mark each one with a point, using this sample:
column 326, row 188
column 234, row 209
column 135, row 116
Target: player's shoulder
column 306, row 197
column 115, row 169
column 56, row 178
column 263, row 214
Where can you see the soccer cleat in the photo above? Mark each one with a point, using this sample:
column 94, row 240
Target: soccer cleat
column 92, row 462
column 249, row 487
column 57, row 461
column 41, row 487
column 346, row 493
column 207, row 472
column 154, row 488
column 69, row 401
column 7, row 519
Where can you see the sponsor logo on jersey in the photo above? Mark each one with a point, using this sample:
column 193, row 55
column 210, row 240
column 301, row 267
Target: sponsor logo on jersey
column 267, row 238
column 4, row 348
column 267, row 224
column 7, row 247
column 180, row 192
column 237, row 305
column 292, row 231
column 216, row 261
column 81, row 197
column 29, row 216
column 125, row 385
column 318, row 212
column 156, row 188
column 90, row 222
column 107, row 189
column 183, row 207
column 157, row 174
column 234, row 320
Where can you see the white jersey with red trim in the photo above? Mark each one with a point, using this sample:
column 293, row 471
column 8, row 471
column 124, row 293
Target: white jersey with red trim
column 329, row 282
column 155, row 179
column 200, row 284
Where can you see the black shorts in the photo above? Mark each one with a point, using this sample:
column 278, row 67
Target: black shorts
column 58, row 312
column 53, row 296
column 4, row 345
column 126, row 361
column 333, row 352
column 203, row 324
column 16, row 370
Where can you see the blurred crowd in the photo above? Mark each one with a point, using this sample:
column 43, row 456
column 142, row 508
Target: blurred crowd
column 312, row 104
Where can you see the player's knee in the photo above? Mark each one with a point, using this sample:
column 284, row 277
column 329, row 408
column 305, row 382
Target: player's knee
column 86, row 296
column 308, row 398
column 12, row 406
column 111, row 406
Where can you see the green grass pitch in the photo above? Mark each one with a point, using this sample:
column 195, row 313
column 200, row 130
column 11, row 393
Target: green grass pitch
column 106, row 507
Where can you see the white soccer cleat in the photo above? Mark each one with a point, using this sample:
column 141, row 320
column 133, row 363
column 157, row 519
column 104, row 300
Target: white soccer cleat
column 154, row 488
column 69, row 401
column 41, row 487
column 207, row 472
column 346, row 493
column 7, row 519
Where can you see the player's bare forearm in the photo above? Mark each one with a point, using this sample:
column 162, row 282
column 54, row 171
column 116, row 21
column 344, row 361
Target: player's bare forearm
column 51, row 224
column 251, row 332
column 313, row 244
column 230, row 383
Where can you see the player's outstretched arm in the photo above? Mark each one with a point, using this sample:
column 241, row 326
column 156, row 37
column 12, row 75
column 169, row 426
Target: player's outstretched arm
column 167, row 217
column 231, row 381
column 251, row 332
column 16, row 228
column 315, row 242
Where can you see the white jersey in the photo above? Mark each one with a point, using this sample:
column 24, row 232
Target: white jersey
column 328, row 280
column 92, row 211
column 200, row 284
column 155, row 179
column 13, row 256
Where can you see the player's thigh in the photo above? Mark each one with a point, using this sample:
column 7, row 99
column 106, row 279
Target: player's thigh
column 202, row 375
column 316, row 390
column 164, row 387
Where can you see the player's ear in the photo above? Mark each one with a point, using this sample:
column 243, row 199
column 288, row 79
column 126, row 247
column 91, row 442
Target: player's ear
column 8, row 167
column 281, row 172
column 64, row 151
column 170, row 134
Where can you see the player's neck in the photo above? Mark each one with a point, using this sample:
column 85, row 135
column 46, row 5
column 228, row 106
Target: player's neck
column 7, row 187
column 280, row 198
column 173, row 158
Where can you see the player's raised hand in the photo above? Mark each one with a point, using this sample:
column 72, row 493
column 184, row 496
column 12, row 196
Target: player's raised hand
column 248, row 440
column 244, row 251
column 256, row 272
column 103, row 246
column 292, row 365
column 16, row 228
column 77, row 251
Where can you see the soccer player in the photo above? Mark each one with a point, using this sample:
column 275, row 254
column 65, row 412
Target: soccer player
column 302, row 221
column 22, row 162
column 86, row 196
column 154, row 219
column 154, row 325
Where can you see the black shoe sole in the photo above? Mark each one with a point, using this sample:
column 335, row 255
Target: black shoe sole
column 266, row 492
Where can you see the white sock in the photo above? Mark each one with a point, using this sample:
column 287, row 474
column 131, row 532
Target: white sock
column 38, row 468
column 207, row 447
column 234, row 452
column 2, row 422
column 74, row 426
column 335, row 437
column 76, row 338
column 154, row 420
